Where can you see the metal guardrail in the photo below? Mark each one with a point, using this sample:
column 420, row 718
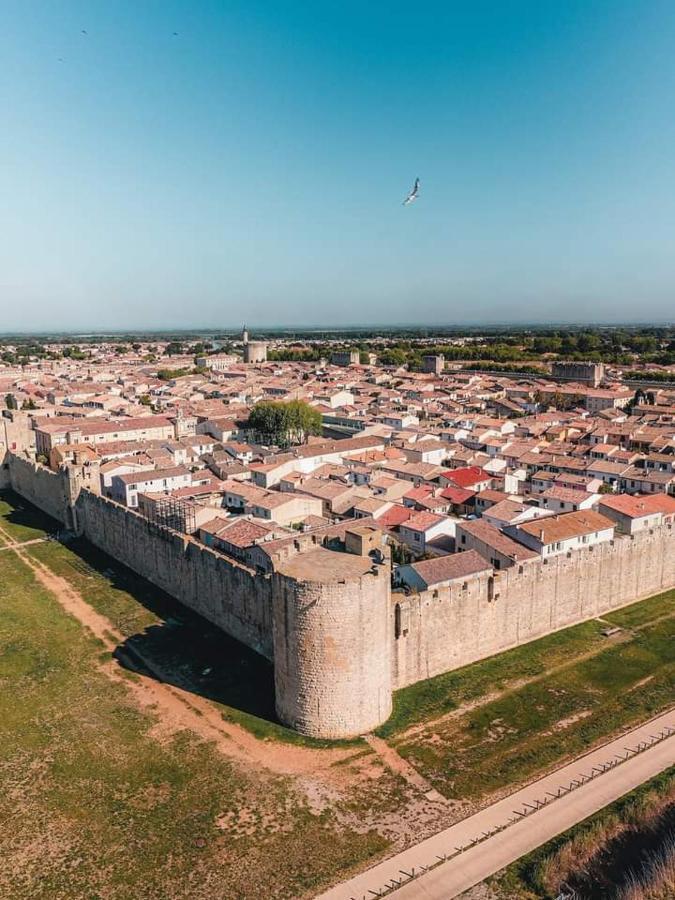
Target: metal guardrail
column 528, row 809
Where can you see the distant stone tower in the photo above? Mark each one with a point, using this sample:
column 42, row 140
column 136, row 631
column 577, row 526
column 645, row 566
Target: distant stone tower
column 254, row 351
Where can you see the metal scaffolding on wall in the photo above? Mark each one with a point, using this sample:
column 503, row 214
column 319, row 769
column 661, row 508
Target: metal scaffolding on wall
column 173, row 513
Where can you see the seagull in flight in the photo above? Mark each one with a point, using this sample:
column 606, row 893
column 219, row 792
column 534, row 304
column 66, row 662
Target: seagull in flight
column 414, row 193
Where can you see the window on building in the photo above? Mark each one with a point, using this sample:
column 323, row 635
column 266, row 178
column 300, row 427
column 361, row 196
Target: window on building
column 397, row 621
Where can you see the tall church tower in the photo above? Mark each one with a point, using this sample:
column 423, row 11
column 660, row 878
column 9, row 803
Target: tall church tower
column 244, row 335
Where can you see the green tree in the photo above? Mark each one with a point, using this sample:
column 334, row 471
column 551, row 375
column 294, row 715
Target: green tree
column 171, row 374
column 285, row 423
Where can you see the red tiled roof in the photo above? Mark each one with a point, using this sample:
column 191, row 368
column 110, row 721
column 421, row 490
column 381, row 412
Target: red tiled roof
column 422, row 521
column 457, row 494
column 566, row 526
column 394, row 516
column 637, row 505
column 467, row 476
column 453, row 565
column 418, row 493
column 240, row 533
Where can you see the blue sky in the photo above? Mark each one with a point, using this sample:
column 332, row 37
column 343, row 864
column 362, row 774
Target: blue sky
column 253, row 166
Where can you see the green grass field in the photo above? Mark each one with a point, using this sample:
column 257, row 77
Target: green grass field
column 437, row 696
column 93, row 806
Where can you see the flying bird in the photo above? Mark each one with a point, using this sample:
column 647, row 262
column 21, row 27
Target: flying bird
column 83, row 31
column 414, row 193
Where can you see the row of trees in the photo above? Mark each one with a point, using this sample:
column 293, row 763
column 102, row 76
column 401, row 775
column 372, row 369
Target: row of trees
column 284, row 424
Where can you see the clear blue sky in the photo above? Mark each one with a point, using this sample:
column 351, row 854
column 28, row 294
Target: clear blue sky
column 253, row 166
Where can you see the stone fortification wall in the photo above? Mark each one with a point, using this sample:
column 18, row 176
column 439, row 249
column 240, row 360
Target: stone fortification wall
column 230, row 595
column 40, row 486
column 445, row 629
column 340, row 645
column 332, row 664
column 227, row 594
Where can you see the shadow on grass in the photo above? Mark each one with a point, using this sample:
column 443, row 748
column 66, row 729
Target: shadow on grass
column 184, row 649
column 625, row 858
column 26, row 516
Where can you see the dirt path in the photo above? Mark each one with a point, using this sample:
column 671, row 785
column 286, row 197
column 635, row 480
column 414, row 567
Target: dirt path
column 402, row 767
column 17, row 544
column 178, row 709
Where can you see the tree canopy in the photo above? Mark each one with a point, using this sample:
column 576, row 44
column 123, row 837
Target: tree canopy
column 285, row 423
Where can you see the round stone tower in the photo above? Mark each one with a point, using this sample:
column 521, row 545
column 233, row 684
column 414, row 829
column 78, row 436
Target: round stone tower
column 332, row 646
column 255, row 352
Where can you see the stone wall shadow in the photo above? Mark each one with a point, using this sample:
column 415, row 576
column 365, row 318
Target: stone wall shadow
column 185, row 649
column 25, row 514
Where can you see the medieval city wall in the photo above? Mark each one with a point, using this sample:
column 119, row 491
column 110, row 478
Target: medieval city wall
column 340, row 649
column 39, row 485
column 453, row 626
column 231, row 596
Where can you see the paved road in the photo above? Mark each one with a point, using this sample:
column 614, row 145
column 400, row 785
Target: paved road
column 525, row 833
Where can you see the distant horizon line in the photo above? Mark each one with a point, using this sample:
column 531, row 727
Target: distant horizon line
column 522, row 326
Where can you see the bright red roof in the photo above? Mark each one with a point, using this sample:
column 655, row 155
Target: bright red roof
column 467, row 476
